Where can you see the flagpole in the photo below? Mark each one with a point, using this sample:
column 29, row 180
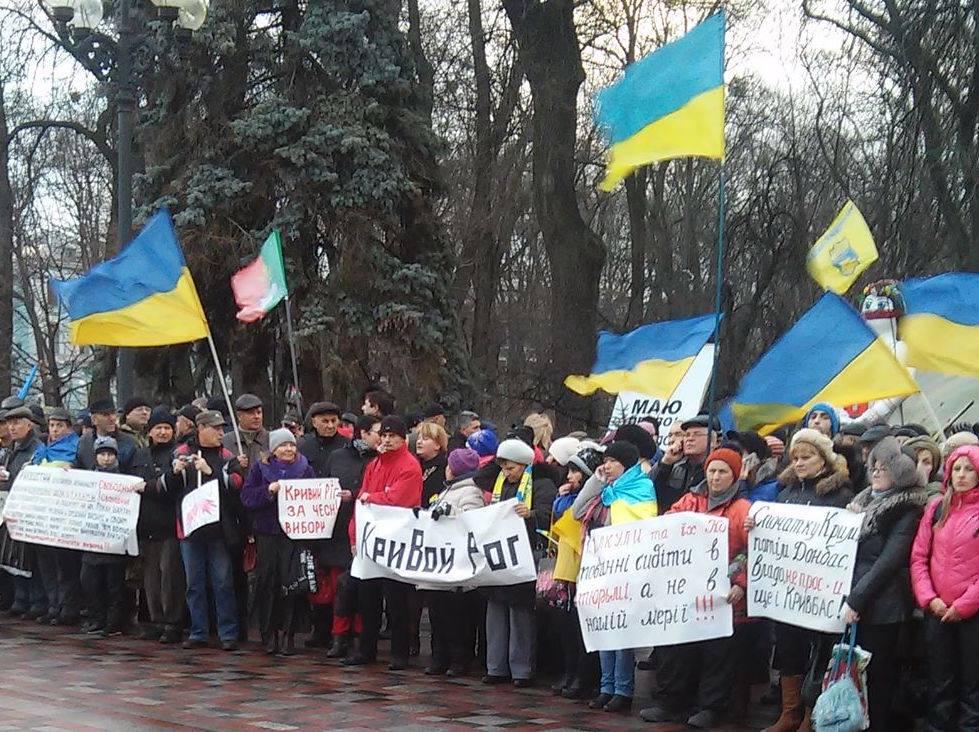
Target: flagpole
column 292, row 354
column 711, row 408
column 224, row 390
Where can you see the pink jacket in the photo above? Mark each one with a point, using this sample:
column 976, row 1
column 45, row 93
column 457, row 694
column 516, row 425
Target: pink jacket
column 945, row 560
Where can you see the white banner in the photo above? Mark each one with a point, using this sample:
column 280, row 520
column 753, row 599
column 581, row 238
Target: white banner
column 74, row 509
column 480, row 548
column 800, row 563
column 308, row 507
column 681, row 405
column 658, row 582
column 3, row 501
column 201, row 507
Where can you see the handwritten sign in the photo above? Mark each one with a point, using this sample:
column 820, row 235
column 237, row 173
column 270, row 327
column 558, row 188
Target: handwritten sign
column 662, row 581
column 74, row 509
column 479, row 548
column 800, row 563
column 201, row 507
column 308, row 507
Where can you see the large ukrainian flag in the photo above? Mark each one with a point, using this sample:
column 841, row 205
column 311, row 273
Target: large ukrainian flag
column 669, row 104
column 831, row 355
column 940, row 326
column 652, row 359
column 143, row 297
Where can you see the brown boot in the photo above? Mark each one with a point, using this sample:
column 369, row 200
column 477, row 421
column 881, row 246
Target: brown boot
column 806, row 725
column 791, row 715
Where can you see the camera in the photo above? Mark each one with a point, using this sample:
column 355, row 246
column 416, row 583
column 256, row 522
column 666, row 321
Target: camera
column 443, row 509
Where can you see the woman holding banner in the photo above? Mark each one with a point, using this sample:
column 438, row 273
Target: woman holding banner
column 280, row 614
column 880, row 597
column 707, row 669
column 945, row 578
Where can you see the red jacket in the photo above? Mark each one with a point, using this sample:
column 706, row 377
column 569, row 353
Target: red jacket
column 391, row 479
column 945, row 560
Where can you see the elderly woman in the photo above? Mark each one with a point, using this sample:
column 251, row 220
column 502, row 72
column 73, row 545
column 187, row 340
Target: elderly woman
column 280, row 615
column 880, row 598
column 945, row 577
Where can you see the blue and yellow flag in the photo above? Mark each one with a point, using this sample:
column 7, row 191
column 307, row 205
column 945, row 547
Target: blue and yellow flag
column 669, row 104
column 143, row 297
column 652, row 359
column 940, row 326
column 831, row 355
column 841, row 254
column 631, row 497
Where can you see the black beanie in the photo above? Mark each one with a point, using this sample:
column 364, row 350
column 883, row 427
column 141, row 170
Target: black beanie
column 133, row 403
column 160, row 415
column 639, row 437
column 624, row 452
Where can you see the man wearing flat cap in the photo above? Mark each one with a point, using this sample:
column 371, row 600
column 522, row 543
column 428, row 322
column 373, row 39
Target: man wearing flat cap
column 254, row 436
column 325, row 438
column 682, row 466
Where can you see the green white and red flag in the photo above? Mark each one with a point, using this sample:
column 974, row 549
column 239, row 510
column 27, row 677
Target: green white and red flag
column 261, row 285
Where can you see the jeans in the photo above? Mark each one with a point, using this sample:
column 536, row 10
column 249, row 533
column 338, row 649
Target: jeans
column 618, row 672
column 209, row 560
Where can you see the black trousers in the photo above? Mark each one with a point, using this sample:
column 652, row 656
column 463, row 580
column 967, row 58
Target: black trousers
column 953, row 675
column 46, row 571
column 105, row 589
column 69, row 563
column 698, row 674
column 277, row 613
column 372, row 594
column 885, row 642
column 455, row 621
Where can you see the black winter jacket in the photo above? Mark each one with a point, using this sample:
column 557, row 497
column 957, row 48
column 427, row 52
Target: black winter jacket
column 85, row 458
column 673, row 481
column 317, row 450
column 831, row 489
column 346, row 464
column 156, row 520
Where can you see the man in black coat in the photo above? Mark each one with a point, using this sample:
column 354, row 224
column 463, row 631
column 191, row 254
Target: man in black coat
column 324, row 439
column 106, row 424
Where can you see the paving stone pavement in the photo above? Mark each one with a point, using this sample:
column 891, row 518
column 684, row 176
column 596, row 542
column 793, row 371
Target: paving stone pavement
column 54, row 679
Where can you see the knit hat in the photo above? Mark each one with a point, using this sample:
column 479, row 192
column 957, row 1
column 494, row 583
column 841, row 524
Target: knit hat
column 959, row 439
column 563, row 448
column 587, row 460
column 816, row 440
column 622, row 452
column 516, row 451
column 133, row 403
column 160, row 415
column 917, row 444
column 728, row 456
column 393, row 424
column 967, row 451
column 903, row 469
column 483, row 441
column 106, row 443
column 829, row 411
column 639, row 437
column 279, row 437
column 775, row 445
column 463, row 461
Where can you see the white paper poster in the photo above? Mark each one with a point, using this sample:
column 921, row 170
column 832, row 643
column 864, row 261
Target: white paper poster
column 308, row 507
column 800, row 563
column 658, row 582
column 480, row 548
column 201, row 507
column 683, row 404
column 74, row 509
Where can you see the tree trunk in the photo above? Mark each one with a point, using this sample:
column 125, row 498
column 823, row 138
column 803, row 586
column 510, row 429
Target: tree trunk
column 635, row 193
column 551, row 57
column 6, row 255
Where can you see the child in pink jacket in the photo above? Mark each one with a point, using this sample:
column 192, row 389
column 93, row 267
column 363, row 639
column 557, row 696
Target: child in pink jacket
column 945, row 579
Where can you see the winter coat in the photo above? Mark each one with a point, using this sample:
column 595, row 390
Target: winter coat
column 346, row 465
column 262, row 506
column 101, row 559
column 672, row 481
column 19, row 455
column 945, row 560
column 461, row 495
column 61, row 453
column 392, row 479
column 85, row 459
column 433, row 477
column 255, row 444
column 456, row 442
column 140, row 438
column 881, row 587
column 831, row 489
column 225, row 469
column 318, row 450
column 156, row 506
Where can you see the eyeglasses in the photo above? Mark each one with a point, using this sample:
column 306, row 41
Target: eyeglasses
column 879, row 469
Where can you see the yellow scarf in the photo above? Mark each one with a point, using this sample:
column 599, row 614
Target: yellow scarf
column 525, row 491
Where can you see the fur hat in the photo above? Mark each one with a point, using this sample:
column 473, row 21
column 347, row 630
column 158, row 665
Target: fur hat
column 639, row 437
column 515, row 450
column 563, row 448
column 957, row 440
column 888, row 454
column 279, row 437
column 623, row 452
column 818, row 442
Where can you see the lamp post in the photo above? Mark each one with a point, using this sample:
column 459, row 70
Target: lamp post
column 111, row 59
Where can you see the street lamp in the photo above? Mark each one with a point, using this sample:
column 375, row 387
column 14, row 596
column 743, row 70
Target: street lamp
column 107, row 59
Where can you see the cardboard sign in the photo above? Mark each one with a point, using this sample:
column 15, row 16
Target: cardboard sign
column 201, row 507
column 308, row 507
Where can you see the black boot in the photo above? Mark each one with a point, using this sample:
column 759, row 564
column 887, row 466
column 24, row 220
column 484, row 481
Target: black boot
column 272, row 643
column 339, row 648
column 289, row 647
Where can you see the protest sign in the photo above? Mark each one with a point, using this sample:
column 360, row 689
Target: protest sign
column 800, row 563
column 74, row 509
column 201, row 507
column 308, row 507
column 681, row 405
column 480, row 548
column 658, row 582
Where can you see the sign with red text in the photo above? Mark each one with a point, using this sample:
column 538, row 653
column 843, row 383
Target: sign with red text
column 658, row 582
column 201, row 507
column 800, row 563
column 308, row 507
column 74, row 509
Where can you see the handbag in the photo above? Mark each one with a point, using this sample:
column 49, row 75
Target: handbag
column 842, row 707
column 302, row 574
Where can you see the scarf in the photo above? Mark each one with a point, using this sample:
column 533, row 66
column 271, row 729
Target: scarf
column 525, row 491
column 715, row 501
column 874, row 507
column 633, row 486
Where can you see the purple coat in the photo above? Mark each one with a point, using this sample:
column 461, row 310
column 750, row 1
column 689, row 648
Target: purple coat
column 262, row 506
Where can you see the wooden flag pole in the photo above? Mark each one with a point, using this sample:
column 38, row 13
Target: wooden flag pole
column 224, row 390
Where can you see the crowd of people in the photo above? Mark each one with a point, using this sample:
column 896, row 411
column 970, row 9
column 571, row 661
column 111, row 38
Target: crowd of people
column 914, row 596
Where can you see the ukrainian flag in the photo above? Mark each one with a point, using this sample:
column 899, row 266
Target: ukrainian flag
column 143, row 297
column 669, row 104
column 652, row 359
column 940, row 326
column 831, row 355
column 631, row 497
